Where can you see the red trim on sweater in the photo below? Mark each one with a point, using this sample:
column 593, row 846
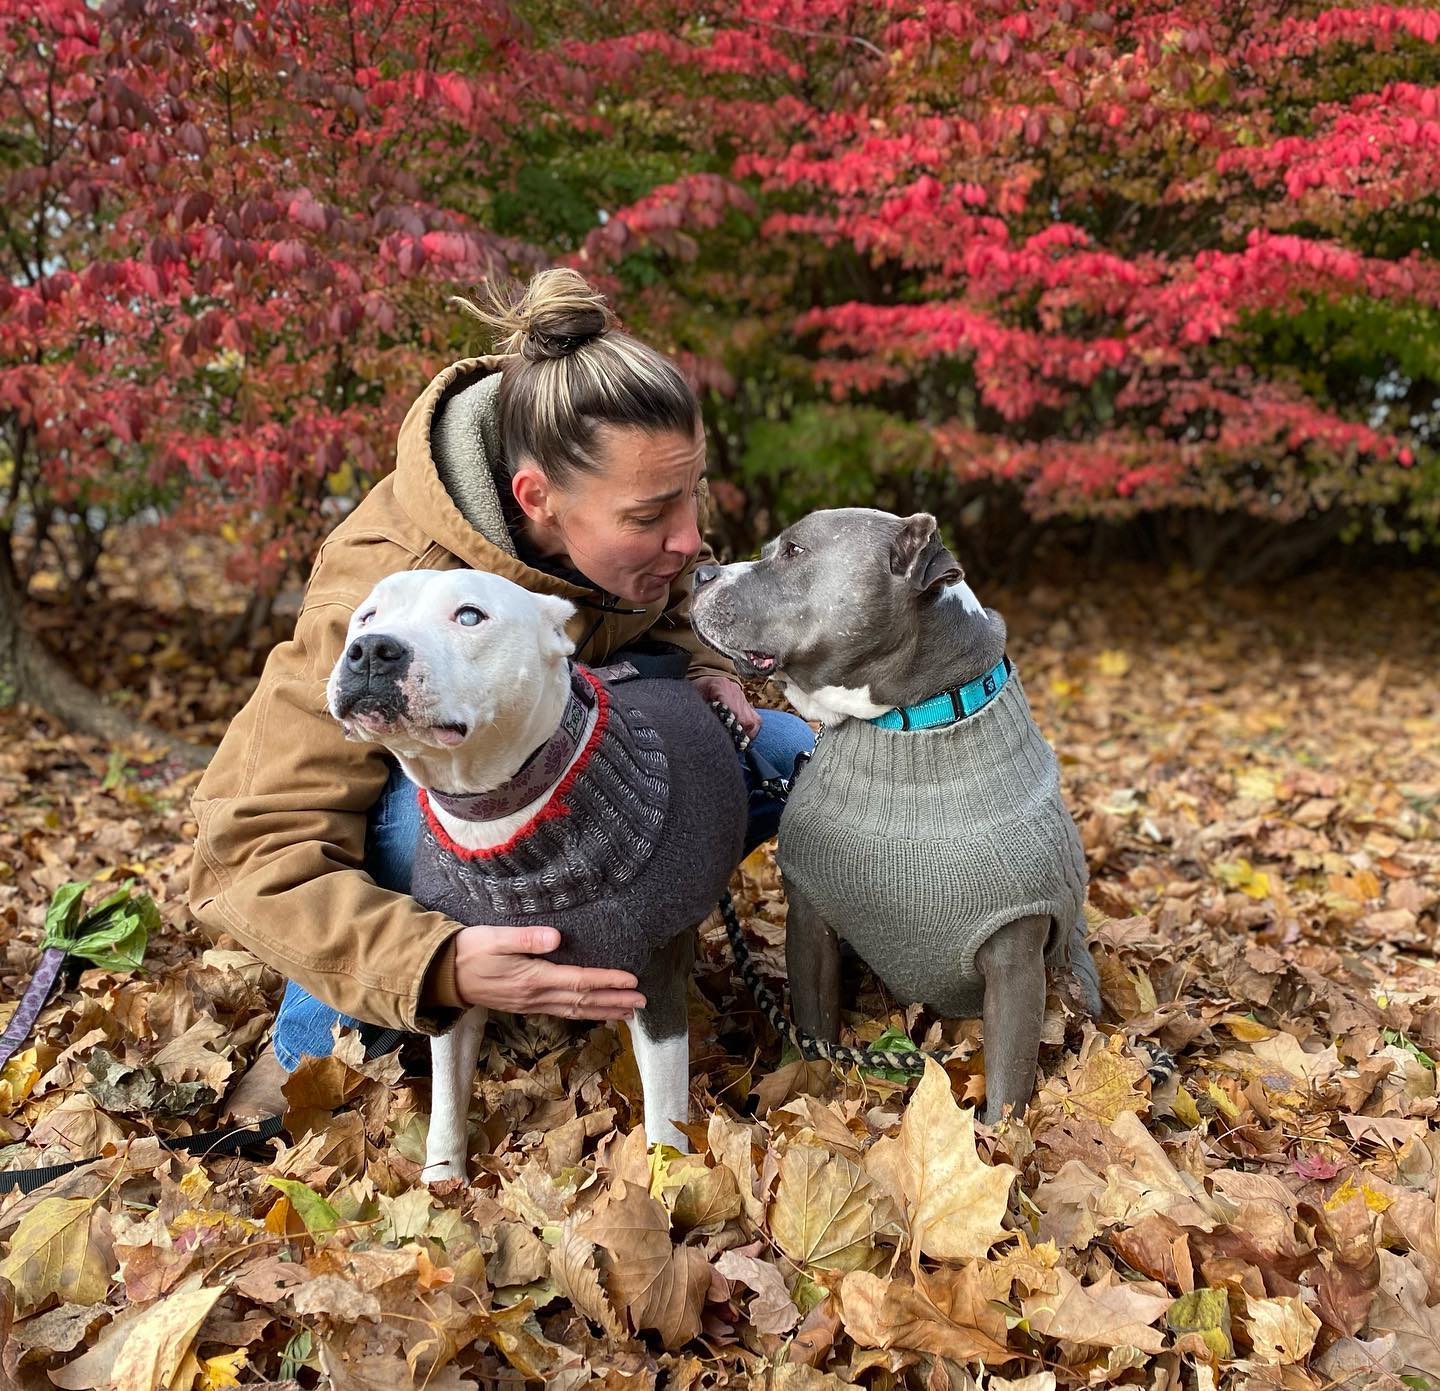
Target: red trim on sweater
column 556, row 806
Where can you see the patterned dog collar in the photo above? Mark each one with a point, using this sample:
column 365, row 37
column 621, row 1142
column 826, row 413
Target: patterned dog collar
column 538, row 774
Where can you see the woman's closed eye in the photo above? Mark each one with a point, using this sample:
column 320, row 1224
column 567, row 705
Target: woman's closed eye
column 650, row 518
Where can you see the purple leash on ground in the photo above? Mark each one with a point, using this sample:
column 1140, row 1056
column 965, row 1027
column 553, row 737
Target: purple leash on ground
column 52, row 959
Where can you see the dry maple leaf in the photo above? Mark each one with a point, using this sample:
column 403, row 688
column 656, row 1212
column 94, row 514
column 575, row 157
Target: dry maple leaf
column 55, row 1251
column 1400, row 1308
column 159, row 1341
column 572, row 1265
column 956, row 1202
column 1110, row 1313
column 1281, row 1330
column 827, row 1213
column 947, row 1314
column 706, row 1200
column 772, row 1310
column 659, row 1286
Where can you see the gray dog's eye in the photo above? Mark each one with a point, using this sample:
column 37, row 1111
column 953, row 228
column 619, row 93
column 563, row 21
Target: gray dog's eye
column 469, row 616
column 790, row 550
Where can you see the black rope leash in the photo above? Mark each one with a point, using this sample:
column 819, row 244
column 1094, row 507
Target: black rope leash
column 912, row 1061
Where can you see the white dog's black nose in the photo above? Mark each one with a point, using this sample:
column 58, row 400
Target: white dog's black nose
column 377, row 658
column 704, row 574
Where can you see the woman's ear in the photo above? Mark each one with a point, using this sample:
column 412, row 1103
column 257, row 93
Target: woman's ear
column 532, row 492
column 555, row 613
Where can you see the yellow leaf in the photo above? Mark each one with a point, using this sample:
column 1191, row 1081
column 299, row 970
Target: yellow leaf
column 956, row 1200
column 216, row 1373
column 1223, row 1104
column 1185, row 1109
column 277, row 1218
column 1375, row 1201
column 159, row 1340
column 661, row 1177
column 1112, row 662
column 1244, row 876
column 1204, row 1311
column 1256, row 784
column 18, row 1080
column 342, row 482
column 1104, row 1085
column 195, row 1184
column 52, row 1252
column 1246, row 1030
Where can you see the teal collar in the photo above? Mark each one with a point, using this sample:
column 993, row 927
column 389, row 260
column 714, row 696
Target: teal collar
column 949, row 706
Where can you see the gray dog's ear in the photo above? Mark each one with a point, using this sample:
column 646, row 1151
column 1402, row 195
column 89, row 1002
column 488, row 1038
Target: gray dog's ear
column 918, row 553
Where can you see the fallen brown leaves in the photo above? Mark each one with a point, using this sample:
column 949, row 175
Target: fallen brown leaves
column 1256, row 778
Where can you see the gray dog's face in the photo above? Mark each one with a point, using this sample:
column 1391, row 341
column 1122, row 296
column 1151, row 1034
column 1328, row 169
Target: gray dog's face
column 830, row 607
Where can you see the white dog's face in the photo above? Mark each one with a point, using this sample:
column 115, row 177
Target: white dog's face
column 440, row 659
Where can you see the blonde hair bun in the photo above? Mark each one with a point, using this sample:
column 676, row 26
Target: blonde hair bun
column 553, row 316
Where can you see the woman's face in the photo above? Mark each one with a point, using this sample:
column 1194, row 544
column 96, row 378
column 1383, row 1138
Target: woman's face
column 632, row 527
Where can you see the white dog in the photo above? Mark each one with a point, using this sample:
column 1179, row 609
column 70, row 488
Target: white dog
column 613, row 812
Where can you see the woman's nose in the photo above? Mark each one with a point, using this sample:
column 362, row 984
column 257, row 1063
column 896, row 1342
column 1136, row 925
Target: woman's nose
column 685, row 539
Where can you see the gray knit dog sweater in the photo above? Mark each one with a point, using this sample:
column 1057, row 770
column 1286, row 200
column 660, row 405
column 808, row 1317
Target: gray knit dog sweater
column 635, row 846
column 915, row 846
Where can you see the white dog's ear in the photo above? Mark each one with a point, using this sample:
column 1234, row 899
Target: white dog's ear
column 555, row 613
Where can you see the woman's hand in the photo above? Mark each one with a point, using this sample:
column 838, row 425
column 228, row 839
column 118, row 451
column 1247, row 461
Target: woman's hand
column 499, row 967
column 733, row 698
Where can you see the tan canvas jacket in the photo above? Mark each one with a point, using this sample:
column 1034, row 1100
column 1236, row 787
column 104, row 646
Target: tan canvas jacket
column 282, row 807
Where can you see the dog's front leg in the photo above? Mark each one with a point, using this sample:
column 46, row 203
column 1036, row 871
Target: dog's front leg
column 453, row 1057
column 1012, row 962
column 660, row 1035
column 812, row 963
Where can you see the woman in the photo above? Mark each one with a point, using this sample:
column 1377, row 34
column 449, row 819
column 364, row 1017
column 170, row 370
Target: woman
column 573, row 464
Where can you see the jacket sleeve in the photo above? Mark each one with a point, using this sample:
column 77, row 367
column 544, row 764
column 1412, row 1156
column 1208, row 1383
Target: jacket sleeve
column 674, row 624
column 281, row 815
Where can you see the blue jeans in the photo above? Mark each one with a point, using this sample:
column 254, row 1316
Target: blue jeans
column 303, row 1024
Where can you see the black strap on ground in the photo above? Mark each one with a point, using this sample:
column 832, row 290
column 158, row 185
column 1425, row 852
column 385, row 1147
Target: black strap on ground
column 209, row 1144
column 230, row 1139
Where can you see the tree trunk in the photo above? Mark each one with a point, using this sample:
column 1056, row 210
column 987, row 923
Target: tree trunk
column 30, row 674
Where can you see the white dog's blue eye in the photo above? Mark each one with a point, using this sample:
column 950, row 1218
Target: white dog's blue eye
column 366, row 617
column 469, row 616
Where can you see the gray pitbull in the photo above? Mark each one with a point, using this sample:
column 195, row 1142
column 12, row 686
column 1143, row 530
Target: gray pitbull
column 928, row 830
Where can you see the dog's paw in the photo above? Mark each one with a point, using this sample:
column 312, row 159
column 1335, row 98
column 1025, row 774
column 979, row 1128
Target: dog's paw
column 1085, row 976
column 438, row 1170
